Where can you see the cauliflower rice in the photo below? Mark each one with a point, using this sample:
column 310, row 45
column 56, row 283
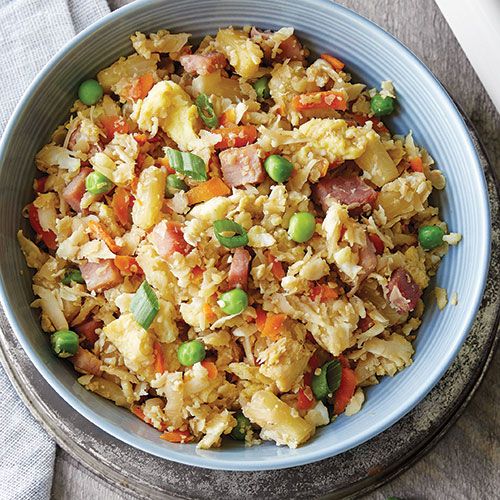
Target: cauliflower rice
column 351, row 292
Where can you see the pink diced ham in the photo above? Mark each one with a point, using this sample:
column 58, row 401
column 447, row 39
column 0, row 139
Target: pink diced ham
column 86, row 362
column 88, row 329
column 238, row 272
column 101, row 275
column 242, row 166
column 290, row 48
column 168, row 238
column 74, row 191
column 368, row 258
column 203, row 64
column 348, row 190
column 402, row 292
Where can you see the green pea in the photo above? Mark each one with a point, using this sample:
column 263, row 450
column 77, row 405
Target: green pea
column 302, row 226
column 96, row 183
column 278, row 168
column 382, row 106
column 90, row 92
column 64, row 343
column 430, row 237
column 261, row 87
column 72, row 275
column 234, row 301
column 243, row 424
column 174, row 184
column 191, row 352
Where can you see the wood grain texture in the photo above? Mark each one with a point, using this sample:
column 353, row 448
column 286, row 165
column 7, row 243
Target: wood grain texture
column 466, row 462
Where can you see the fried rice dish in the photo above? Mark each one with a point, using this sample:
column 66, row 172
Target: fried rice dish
column 227, row 240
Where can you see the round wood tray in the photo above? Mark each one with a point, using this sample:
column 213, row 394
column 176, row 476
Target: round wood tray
column 348, row 475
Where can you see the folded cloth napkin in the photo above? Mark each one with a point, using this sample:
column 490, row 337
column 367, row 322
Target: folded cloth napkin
column 31, row 32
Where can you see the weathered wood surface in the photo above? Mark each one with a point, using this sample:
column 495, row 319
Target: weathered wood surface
column 466, row 462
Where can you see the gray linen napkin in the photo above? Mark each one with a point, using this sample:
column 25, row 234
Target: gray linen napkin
column 31, row 32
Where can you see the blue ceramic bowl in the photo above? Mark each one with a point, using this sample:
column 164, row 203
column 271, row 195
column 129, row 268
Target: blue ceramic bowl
column 371, row 55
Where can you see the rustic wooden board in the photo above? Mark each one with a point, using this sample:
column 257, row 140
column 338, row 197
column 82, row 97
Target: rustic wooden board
column 465, row 463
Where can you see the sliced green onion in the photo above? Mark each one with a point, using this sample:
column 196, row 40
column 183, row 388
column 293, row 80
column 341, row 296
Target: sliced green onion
column 73, row 275
column 328, row 381
column 206, row 111
column 230, row 234
column 145, row 305
column 188, row 164
column 174, row 184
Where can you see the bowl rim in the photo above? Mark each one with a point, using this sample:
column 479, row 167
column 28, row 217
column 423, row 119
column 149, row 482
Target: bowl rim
column 281, row 461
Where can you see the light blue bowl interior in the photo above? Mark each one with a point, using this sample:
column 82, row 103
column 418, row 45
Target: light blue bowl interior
column 371, row 55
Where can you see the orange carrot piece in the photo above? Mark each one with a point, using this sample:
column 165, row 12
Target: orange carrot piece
column 211, row 368
column 197, row 272
column 114, row 125
column 137, row 410
column 236, row 136
column 276, row 267
column 121, row 205
column 159, row 358
column 260, row 319
column 99, row 232
column 305, row 398
column 344, row 361
column 328, row 99
column 208, row 190
column 141, row 86
column 127, row 264
column 48, row 237
column 324, row 292
column 335, row 63
column 314, row 362
column 272, row 326
column 177, row 437
column 345, row 391
column 141, row 139
column 416, row 164
column 163, row 162
column 378, row 126
column 228, row 118
column 210, row 316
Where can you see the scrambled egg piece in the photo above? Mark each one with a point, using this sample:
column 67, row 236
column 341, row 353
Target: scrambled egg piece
column 134, row 343
column 170, row 107
column 332, row 139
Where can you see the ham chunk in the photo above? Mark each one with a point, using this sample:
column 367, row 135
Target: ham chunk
column 348, row 190
column 291, row 48
column 87, row 329
column 75, row 190
column 238, row 272
column 203, row 64
column 368, row 258
column 86, row 362
column 402, row 292
column 167, row 238
column 101, row 275
column 242, row 166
